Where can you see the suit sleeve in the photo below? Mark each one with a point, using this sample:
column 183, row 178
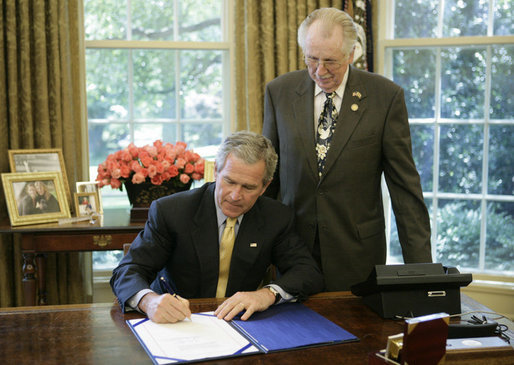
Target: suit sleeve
column 299, row 273
column 404, row 185
column 139, row 267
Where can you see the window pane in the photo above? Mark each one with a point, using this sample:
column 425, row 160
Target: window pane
column 395, row 249
column 458, row 233
column 499, row 251
column 105, row 19
column 465, row 18
column 407, row 10
column 418, row 82
column 154, row 84
column 394, row 255
column 106, row 78
column 502, row 97
column 423, row 152
column 152, row 20
column 460, row 165
column 200, row 23
column 147, row 133
column 105, row 260
column 201, row 84
column 104, row 139
column 503, row 15
column 202, row 135
column 501, row 160
column 463, row 83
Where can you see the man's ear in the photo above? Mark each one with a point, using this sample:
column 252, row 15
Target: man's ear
column 265, row 187
column 350, row 57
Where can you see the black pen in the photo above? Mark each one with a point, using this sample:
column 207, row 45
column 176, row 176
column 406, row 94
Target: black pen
column 168, row 287
column 170, row 290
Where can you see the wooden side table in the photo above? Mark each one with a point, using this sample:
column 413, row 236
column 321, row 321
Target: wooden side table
column 109, row 232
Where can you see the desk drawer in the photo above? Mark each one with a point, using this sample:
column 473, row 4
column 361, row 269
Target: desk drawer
column 97, row 241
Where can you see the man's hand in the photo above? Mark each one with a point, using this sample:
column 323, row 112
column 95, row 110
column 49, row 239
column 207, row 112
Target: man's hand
column 250, row 302
column 164, row 308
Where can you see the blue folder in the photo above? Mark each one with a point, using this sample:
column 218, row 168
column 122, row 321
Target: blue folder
column 289, row 326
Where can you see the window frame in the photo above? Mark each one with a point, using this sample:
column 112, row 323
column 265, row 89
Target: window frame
column 227, row 45
column 385, row 45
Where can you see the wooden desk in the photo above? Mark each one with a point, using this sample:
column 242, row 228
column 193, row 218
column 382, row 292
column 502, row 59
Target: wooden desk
column 97, row 333
column 109, row 232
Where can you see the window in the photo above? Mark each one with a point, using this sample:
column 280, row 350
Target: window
column 154, row 70
column 454, row 59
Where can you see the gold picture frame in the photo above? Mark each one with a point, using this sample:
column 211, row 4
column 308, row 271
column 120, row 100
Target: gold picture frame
column 40, row 160
column 86, row 204
column 90, row 187
column 37, row 197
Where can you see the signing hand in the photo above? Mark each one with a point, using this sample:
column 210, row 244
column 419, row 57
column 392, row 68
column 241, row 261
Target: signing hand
column 250, row 302
column 165, row 308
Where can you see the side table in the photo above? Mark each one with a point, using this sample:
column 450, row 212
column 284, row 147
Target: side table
column 109, row 232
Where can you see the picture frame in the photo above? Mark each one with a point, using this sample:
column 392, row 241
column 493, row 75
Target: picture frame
column 40, row 160
column 35, row 197
column 86, row 204
column 90, row 187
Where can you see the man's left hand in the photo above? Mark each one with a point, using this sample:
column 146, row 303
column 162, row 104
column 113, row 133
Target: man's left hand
column 250, row 302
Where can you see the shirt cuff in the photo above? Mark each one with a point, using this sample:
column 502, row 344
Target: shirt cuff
column 134, row 300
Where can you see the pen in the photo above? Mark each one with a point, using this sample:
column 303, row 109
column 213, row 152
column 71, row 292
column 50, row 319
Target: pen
column 170, row 290
column 168, row 287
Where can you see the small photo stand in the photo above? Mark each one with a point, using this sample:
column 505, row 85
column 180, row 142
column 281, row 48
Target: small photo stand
column 39, row 160
column 91, row 187
column 37, row 197
column 86, row 204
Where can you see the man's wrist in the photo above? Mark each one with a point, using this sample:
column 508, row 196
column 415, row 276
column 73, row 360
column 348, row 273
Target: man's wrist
column 276, row 295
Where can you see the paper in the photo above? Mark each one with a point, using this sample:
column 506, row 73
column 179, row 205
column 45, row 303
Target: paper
column 204, row 337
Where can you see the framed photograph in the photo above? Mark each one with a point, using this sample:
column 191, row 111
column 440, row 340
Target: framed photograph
column 86, row 204
column 90, row 187
column 37, row 197
column 39, row 160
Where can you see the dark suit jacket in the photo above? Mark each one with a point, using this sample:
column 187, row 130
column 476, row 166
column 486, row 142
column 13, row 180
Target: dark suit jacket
column 180, row 239
column 372, row 136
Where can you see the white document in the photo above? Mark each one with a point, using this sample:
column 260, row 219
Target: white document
column 202, row 337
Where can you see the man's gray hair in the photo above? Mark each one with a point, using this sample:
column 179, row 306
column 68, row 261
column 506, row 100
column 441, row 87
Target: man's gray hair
column 250, row 148
column 329, row 18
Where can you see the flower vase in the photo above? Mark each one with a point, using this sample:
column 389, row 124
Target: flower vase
column 142, row 195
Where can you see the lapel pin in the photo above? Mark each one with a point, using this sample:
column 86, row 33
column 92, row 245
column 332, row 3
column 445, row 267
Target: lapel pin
column 354, row 107
column 253, row 244
column 357, row 94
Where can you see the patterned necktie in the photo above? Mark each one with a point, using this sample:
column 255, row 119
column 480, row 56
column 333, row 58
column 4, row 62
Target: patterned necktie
column 226, row 245
column 326, row 126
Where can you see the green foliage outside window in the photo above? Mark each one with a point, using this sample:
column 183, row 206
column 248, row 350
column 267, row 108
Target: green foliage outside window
column 461, row 110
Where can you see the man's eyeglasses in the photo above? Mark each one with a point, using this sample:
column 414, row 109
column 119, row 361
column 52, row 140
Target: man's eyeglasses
column 329, row 65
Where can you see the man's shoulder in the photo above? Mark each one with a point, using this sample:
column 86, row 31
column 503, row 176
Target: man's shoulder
column 272, row 205
column 190, row 197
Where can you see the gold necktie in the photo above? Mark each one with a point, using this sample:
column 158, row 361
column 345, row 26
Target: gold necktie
column 226, row 245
